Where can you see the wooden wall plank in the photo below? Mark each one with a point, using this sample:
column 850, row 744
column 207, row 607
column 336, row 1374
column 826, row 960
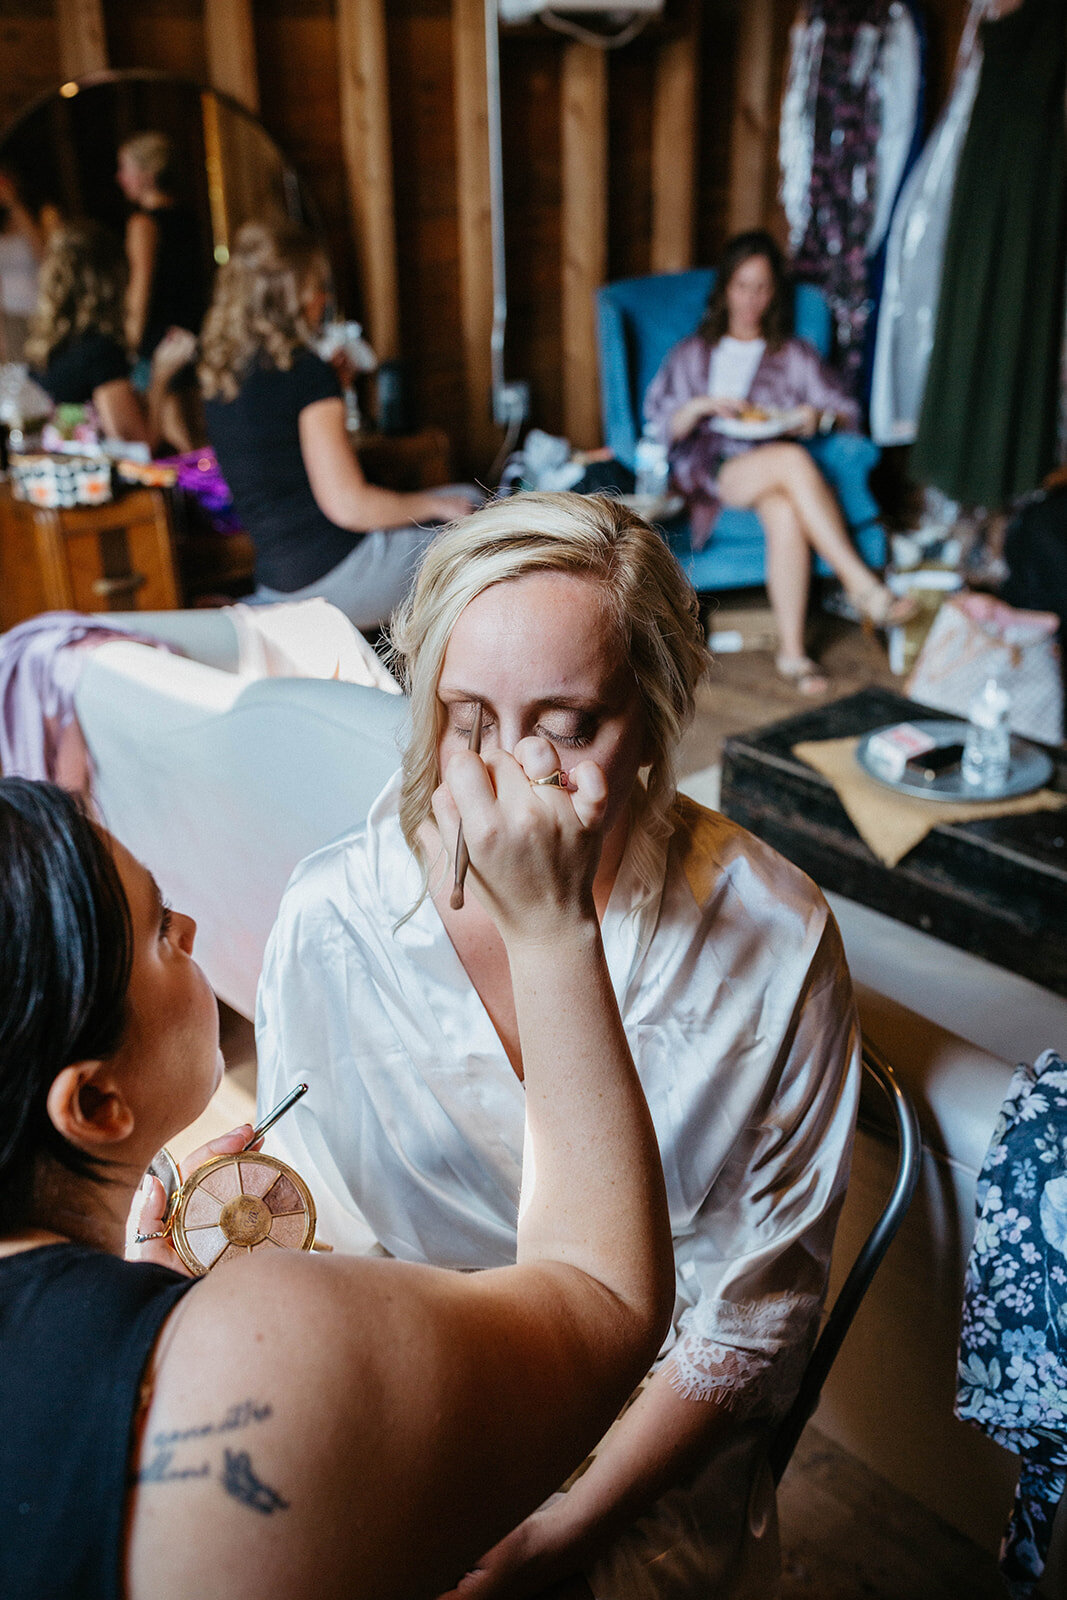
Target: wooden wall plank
column 755, row 116
column 583, row 205
column 82, row 39
column 475, row 220
column 167, row 35
column 29, row 49
column 675, row 120
column 229, row 34
column 366, row 145
column 422, row 92
column 300, row 102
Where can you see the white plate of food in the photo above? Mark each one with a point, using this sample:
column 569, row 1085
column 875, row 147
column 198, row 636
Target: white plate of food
column 759, row 422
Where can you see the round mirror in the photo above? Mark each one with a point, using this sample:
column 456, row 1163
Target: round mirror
column 60, row 156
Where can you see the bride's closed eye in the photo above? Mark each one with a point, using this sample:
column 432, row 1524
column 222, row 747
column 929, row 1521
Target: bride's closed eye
column 575, row 740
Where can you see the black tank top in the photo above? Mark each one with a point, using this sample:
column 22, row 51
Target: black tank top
column 76, row 1330
column 177, row 297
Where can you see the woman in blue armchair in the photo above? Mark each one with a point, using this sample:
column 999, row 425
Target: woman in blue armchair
column 740, row 368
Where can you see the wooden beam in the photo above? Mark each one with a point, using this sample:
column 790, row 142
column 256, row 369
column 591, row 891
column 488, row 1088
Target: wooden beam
column 474, row 203
column 367, row 147
column 755, row 117
column 82, row 39
column 584, row 230
column 675, row 125
column 229, row 34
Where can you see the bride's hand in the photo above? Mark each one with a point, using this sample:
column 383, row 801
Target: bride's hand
column 533, row 848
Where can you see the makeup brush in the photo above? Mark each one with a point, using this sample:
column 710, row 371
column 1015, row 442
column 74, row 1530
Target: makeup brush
column 279, row 1111
column 463, row 859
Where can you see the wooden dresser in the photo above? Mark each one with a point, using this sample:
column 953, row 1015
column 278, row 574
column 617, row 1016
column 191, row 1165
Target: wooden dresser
column 116, row 557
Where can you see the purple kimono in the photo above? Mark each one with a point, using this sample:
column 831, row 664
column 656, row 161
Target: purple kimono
column 792, row 375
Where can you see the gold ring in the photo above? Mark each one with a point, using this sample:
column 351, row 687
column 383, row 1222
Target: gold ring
column 553, row 781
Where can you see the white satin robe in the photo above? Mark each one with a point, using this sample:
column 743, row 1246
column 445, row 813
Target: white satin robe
column 737, row 1005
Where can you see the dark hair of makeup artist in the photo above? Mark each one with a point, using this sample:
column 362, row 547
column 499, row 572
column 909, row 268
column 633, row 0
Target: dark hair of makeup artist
column 65, row 957
column 776, row 324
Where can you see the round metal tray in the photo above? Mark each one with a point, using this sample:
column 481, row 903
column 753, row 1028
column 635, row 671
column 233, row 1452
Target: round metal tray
column 1029, row 769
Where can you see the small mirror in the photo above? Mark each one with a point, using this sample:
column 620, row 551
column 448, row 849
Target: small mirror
column 61, row 155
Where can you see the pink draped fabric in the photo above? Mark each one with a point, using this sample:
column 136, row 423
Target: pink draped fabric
column 40, row 663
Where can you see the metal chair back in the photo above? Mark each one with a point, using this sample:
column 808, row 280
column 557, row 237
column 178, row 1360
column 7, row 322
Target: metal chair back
column 865, row 1265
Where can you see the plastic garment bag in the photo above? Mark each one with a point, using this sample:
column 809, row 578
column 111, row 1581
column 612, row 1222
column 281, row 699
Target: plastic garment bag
column 914, row 257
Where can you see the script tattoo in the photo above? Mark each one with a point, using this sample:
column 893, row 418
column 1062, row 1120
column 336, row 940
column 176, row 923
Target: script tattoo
column 161, row 1470
column 235, row 1472
column 239, row 1480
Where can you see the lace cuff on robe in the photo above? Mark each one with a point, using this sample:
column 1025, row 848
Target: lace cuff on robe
column 748, row 1355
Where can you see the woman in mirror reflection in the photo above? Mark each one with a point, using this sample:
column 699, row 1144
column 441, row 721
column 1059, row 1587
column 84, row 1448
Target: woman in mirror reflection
column 289, row 1424
column 568, row 622
column 166, row 275
column 77, row 347
column 276, row 420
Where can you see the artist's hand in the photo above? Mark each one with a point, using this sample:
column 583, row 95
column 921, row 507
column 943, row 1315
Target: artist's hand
column 150, row 1202
column 534, row 849
column 534, row 1560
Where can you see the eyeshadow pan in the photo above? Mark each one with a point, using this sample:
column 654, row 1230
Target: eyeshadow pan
column 283, row 1197
column 207, row 1244
column 203, row 1209
column 223, row 1183
column 232, row 1252
column 288, row 1231
column 256, row 1178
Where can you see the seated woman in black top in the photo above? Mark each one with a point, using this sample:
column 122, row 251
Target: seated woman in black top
column 339, row 1426
column 276, row 420
column 76, row 336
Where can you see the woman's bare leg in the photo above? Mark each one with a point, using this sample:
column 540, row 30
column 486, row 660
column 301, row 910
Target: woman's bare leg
column 787, row 469
column 788, row 571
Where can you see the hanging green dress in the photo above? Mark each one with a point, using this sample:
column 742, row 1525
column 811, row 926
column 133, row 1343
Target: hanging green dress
column 987, row 430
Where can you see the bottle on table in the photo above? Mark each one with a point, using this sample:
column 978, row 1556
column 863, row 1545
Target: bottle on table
column 987, row 747
column 652, row 468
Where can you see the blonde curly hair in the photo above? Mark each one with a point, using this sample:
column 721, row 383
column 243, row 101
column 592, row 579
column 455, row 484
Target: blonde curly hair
column 80, row 289
column 154, row 153
column 651, row 604
column 258, row 307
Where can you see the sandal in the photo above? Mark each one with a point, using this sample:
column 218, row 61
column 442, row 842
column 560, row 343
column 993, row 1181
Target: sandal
column 804, row 675
column 879, row 607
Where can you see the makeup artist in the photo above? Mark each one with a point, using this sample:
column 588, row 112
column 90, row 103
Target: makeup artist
column 293, row 1425
column 567, row 622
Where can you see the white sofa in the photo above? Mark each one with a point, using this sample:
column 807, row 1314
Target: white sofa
column 221, row 786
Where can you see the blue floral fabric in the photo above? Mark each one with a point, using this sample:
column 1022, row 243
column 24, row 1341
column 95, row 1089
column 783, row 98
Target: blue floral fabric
column 1012, row 1378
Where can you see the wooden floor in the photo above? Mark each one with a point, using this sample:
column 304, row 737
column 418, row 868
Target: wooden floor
column 847, row 1534
column 744, row 691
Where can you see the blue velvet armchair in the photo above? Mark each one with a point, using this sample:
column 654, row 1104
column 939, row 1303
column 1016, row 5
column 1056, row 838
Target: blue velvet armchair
column 638, row 320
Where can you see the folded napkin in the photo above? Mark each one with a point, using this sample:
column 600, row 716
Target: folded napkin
column 891, row 824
